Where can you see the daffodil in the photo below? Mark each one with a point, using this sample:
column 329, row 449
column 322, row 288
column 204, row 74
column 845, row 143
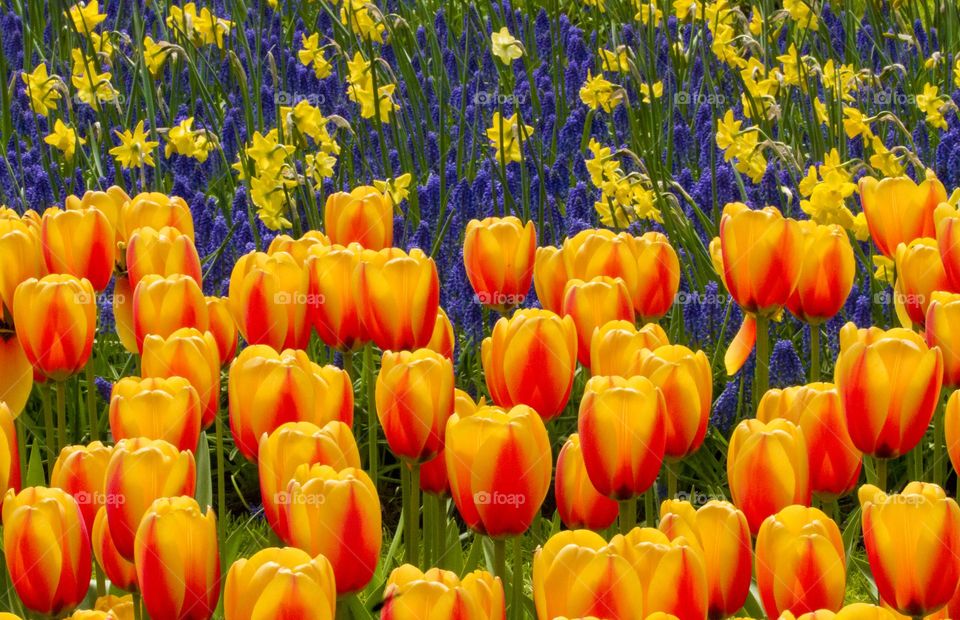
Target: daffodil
column 801, row 13
column 155, row 54
column 504, row 46
column 41, row 88
column 614, row 61
column 86, row 16
column 64, row 138
column 102, row 44
column 182, row 140
column 505, row 137
column 656, row 88
column 92, row 86
column 134, row 150
column 930, row 103
column 648, row 13
column 311, row 55
column 212, row 29
column 363, row 22
column 884, row 160
column 600, row 5
column 884, row 269
column 685, row 9
column 598, row 92
column 398, row 189
column 856, row 124
column 266, row 151
column 320, row 166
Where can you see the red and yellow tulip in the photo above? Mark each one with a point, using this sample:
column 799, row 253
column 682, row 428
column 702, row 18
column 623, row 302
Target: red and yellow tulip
column 498, row 255
column 162, row 305
column 119, row 570
column 412, row 594
column 919, row 273
column 223, row 327
column 156, row 408
column 333, row 310
column 81, row 471
column 268, row 297
column 20, row 254
column 155, row 210
column 364, row 216
column 593, row 304
column 191, row 354
column 579, row 504
column 163, row 252
column 280, row 583
column 16, row 380
column 9, row 451
column 80, row 243
column 550, row 277
column 615, row 344
column 827, row 269
column 899, row 210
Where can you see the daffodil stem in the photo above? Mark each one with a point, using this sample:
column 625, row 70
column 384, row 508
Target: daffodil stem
column 61, row 415
column 814, row 353
column 762, row 368
column 221, row 481
column 516, row 589
column 372, row 467
column 92, row 413
column 628, row 514
column 48, row 423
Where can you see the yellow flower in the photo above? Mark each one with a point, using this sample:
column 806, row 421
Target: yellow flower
column 212, row 29
column 312, row 55
column 860, row 228
column 600, row 4
column 790, row 66
column 727, row 130
column 155, row 54
column 134, row 150
column 505, row 137
column 843, row 79
column 320, row 166
column 884, row 160
column 645, row 91
column 603, row 166
column 41, row 90
column 356, row 15
column 101, row 44
column 184, row 140
column 821, row 111
column 398, row 189
column 956, row 73
column 360, row 90
column 648, row 12
column 92, row 87
column 306, row 118
column 614, row 61
column 808, row 182
column 64, row 138
column 86, row 16
column 267, row 152
column 505, row 47
column 598, row 92
column 684, row 9
column 884, row 269
column 183, row 21
column 800, row 12
column 855, row 124
column 826, row 204
column 932, row 105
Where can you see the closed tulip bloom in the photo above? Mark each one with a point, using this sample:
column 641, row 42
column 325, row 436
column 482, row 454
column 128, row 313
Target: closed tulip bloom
column 191, row 354
column 110, row 202
column 433, row 473
column 615, row 344
column 686, row 382
column 47, row 549
column 268, row 297
column 123, row 313
column 81, row 471
column 834, row 461
column 530, row 359
column 56, row 318
column 827, row 268
column 767, row 468
column 299, row 249
column 16, row 380
column 414, row 398
column 550, row 277
column 919, row 273
column 442, row 341
column 177, row 560
column 398, row 296
column 498, row 255
column 801, row 564
column 951, row 429
column 913, row 545
column 280, row 583
column 162, row 305
column 120, row 606
column 722, row 533
column 333, row 309
column 943, row 314
column 80, row 243
column 162, row 252
column 411, row 594
column 898, row 210
column 337, row 515
column 889, row 384
column 156, row 408
column 20, row 254
column 290, row 446
column 140, row 471
column 500, row 463
column 223, row 327
column 9, row 451
column 268, row 388
column 155, row 210
column 364, row 216
column 592, row 304
column 575, row 575
column 579, row 504
column 622, row 434
column 947, row 224
column 672, row 574
column 120, row 571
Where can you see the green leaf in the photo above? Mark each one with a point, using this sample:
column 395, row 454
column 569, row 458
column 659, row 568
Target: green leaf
column 35, row 475
column 204, row 493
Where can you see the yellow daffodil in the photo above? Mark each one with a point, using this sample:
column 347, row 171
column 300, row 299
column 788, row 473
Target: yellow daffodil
column 884, row 271
column 506, row 137
column 600, row 5
column 267, row 152
column 155, row 54
column 102, row 44
column 648, row 13
column 645, row 90
column 362, row 21
column 504, row 46
column 597, row 92
column 86, row 16
column 64, row 138
column 134, row 150
column 685, row 9
column 397, row 189
column 92, row 86
column 884, row 160
column 311, row 55
column 41, row 88
column 801, row 13
column 930, row 103
column 183, row 140
column 614, row 61
column 320, row 166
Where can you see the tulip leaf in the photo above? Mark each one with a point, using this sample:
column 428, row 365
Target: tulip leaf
column 35, row 476
column 204, row 494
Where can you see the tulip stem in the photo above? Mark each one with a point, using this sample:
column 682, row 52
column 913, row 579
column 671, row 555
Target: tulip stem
column 761, row 375
column 881, row 467
column 441, row 531
column 92, row 402
column 137, row 605
column 61, row 415
column 650, row 506
column 500, row 558
column 671, row 480
column 628, row 514
column 221, row 480
column 372, row 467
column 429, row 526
column 814, row 353
column 101, row 583
column 939, row 462
column 412, row 513
column 516, row 589
column 48, row 423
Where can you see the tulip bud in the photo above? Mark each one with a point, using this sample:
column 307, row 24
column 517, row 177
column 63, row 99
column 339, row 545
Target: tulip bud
column 951, row 429
column 579, row 504
column 613, row 408
column 827, row 269
column 223, row 328
column 919, row 273
column 499, row 463
column 767, row 468
column 299, row 249
column 110, row 202
column 411, row 594
column 268, row 297
column 16, row 380
column 615, row 344
column 20, row 254
column 364, row 216
column 947, row 223
column 80, row 471
column 9, row 451
column 155, row 210
column 56, row 318
column 191, row 354
column 801, row 563
column 156, row 408
column 161, row 306
column 442, row 341
column 889, row 384
column 79, row 243
column 337, row 515
column 120, row 571
column 333, row 309
column 47, row 549
column 550, row 277
column 267, row 389
column 593, row 304
column 280, row 583
column 530, row 359
column 498, row 255
column 898, row 210
column 140, row 471
column 178, row 581
column 164, row 252
column 913, row 545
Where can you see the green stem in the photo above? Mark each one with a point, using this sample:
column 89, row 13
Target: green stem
column 650, row 506
column 48, row 423
column 368, row 381
column 672, row 480
column 441, row 531
column 761, row 375
column 101, row 581
column 939, row 440
column 413, row 515
column 221, row 481
column 348, row 364
column 500, row 558
column 92, row 412
column 61, row 415
column 516, row 589
column 814, row 353
column 881, row 467
column 628, row 514
column 429, row 527
column 137, row 606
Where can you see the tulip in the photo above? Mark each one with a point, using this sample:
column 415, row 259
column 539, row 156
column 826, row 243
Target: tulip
column 622, row 434
column 267, row 389
column 268, row 298
column 800, row 562
column 834, row 461
column 56, row 318
column 498, row 255
column 913, row 545
column 20, row 255
column 592, row 304
column 121, row 607
column 722, row 533
column 827, row 268
column 550, row 277
column 333, row 310
column 947, row 223
column 291, row 445
column 898, row 210
column 767, row 468
column 140, row 471
column 575, row 575
column 499, row 462
column 411, row 594
column 164, row 252
column 123, row 314
column 336, row 514
column 398, row 296
column 433, row 473
column 79, row 243
column 120, row 571
column 47, row 549
column 110, row 202
column 81, row 471
column 162, row 305
column 889, row 384
column 178, row 581
column 919, row 273
column 156, row 408
column 615, row 344
column 280, row 583
column 579, row 504
column 530, row 359
column 16, row 380
column 299, row 249
column 223, row 327
column 155, row 210
column 951, row 416
column 364, row 216
column 442, row 341
column 686, row 382
column 942, row 314
column 191, row 354
column 9, row 451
